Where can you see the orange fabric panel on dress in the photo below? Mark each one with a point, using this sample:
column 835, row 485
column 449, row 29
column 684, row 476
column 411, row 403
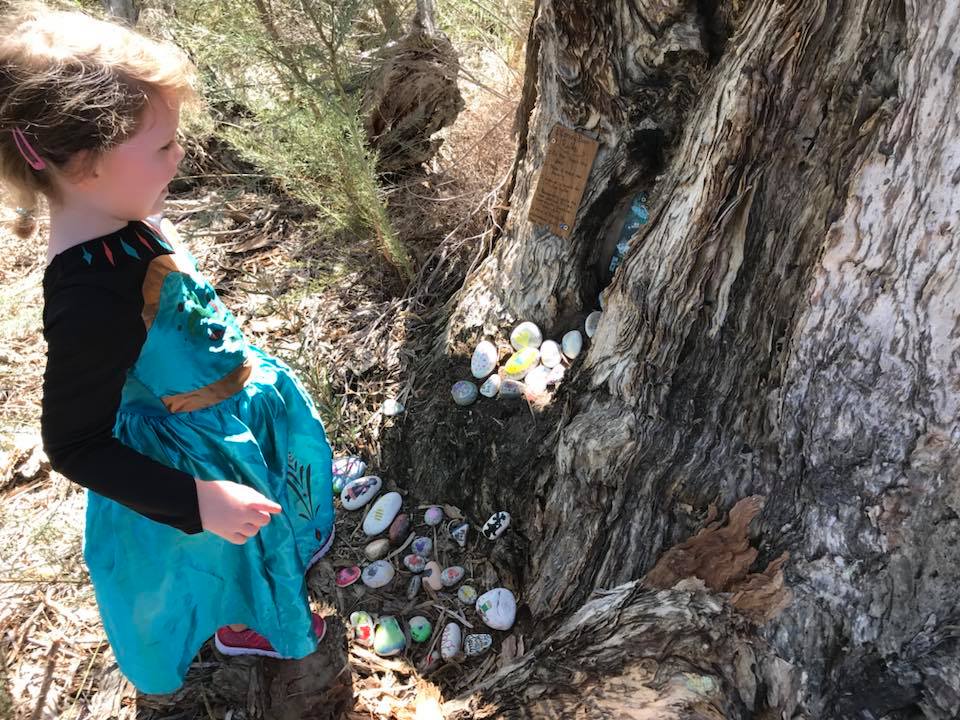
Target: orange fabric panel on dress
column 213, row 393
column 157, row 271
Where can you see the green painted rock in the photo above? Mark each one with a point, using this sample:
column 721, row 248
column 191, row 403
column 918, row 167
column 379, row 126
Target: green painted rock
column 420, row 629
column 388, row 638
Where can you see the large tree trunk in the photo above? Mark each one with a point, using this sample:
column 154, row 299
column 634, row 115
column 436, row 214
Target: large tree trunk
column 784, row 326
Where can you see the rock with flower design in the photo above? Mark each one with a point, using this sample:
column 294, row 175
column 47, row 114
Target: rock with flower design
column 433, row 516
column 467, row 595
column 377, row 574
column 363, row 626
column 382, row 513
column 359, row 492
column 388, row 638
column 478, row 644
column 451, row 575
column 414, row 563
column 450, row 641
column 422, row 546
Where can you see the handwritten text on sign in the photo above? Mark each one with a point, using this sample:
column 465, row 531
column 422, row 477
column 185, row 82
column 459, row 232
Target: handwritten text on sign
column 563, row 179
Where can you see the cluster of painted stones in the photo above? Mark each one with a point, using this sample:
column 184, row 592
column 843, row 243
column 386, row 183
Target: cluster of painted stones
column 532, row 365
column 387, row 634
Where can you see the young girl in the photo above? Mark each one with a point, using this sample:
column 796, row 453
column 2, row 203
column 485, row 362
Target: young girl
column 207, row 467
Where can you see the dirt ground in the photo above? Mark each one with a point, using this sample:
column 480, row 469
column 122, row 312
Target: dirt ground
column 325, row 309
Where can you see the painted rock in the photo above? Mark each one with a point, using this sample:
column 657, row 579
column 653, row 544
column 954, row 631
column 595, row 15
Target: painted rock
column 550, row 354
column 431, row 575
column 451, row 575
column 433, row 515
column 459, row 533
column 347, row 469
column 512, row 389
column 388, row 638
column 399, row 529
column 494, row 527
column 572, row 344
column 359, row 492
column 391, row 407
column 556, row 375
column 414, row 563
column 347, row 576
column 382, row 513
column 524, row 335
column 474, row 645
column 431, row 662
column 450, row 641
column 491, row 386
column 422, row 546
column 420, row 628
column 484, row 360
column 467, row 595
column 377, row 574
column 363, row 626
column 413, row 587
column 590, row 324
column 377, row 550
column 520, row 363
column 497, row 608
column 464, row 392
column 536, row 380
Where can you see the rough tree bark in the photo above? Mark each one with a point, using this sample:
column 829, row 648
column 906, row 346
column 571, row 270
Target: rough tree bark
column 785, row 325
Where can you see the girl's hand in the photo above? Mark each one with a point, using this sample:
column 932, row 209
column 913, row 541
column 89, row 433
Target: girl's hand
column 233, row 511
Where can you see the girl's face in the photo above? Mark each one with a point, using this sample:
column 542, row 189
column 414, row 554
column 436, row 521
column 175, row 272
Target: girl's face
column 129, row 182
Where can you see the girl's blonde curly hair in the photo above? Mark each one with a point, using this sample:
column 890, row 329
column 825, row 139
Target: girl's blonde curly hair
column 71, row 82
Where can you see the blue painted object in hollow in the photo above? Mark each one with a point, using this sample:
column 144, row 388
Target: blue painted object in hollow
column 637, row 217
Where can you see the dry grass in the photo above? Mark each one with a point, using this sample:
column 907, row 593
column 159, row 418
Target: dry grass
column 335, row 312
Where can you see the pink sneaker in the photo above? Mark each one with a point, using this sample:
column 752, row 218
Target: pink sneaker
column 250, row 642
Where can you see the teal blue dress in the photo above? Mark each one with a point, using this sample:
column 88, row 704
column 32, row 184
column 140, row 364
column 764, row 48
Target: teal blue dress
column 162, row 593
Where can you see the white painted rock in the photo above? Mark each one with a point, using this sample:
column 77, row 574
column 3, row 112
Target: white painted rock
column 359, row 492
column 494, row 527
column 467, row 595
column 497, row 608
column 484, row 360
column 526, row 334
column 550, row 354
column 520, row 363
column 590, row 324
column 451, row 575
column 422, row 546
column 572, row 344
column 382, row 513
column 512, row 389
column 459, row 533
column 377, row 574
column 431, row 575
column 377, row 550
column 556, row 375
column 474, row 645
column 536, row 380
column 433, row 516
column 491, row 386
column 392, row 407
column 350, row 467
column 450, row 641
column 464, row 392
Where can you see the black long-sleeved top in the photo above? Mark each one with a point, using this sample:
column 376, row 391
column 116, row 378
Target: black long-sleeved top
column 94, row 331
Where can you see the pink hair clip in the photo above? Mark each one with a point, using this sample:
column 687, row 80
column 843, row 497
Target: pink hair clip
column 29, row 154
